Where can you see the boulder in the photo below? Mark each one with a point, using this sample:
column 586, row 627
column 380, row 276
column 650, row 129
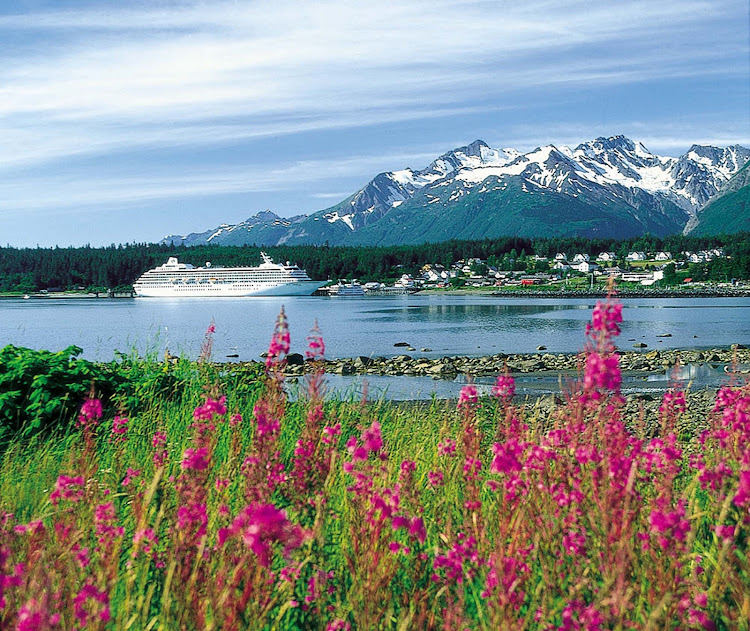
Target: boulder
column 295, row 359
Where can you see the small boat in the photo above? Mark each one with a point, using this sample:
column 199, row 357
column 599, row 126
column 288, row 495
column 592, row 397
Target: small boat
column 26, row 296
column 346, row 289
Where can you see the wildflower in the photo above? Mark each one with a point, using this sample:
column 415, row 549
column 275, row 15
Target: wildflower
column 104, row 520
column 447, row 448
column 67, row 488
column 435, row 478
column 602, row 372
column 504, row 388
column 85, row 598
column 468, row 397
column 280, row 342
column 208, row 344
column 605, row 319
column 195, row 459
column 331, row 433
column 210, row 409
column 91, row 413
column 131, row 473
column 458, row 563
column 160, row 454
column 258, row 527
column 120, row 428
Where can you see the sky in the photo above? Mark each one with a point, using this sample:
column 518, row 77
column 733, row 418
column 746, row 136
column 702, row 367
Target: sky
column 124, row 121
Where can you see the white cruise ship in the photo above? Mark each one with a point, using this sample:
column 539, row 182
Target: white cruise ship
column 268, row 279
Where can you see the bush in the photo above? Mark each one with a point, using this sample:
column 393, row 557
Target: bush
column 39, row 389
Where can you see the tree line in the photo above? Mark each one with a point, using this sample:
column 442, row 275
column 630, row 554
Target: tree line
column 118, row 266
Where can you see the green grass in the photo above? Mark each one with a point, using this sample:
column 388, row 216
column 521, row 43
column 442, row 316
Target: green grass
column 563, row 521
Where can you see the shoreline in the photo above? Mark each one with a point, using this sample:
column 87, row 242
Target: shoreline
column 538, row 363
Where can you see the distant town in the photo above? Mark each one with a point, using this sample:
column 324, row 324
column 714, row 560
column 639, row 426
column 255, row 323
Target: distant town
column 637, row 268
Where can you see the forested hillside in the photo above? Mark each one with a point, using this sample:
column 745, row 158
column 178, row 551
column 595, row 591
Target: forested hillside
column 34, row 269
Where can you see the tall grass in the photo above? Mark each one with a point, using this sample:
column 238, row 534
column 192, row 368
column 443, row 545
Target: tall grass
column 229, row 507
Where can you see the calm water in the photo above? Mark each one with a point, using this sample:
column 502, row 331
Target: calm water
column 449, row 325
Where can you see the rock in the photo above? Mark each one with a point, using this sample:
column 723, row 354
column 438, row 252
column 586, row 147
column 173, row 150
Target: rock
column 738, row 347
column 650, row 354
column 400, row 344
column 344, row 369
column 295, row 359
column 411, row 348
column 425, row 350
column 263, row 354
column 441, row 369
column 664, row 335
column 640, row 345
column 362, row 361
column 541, row 348
column 233, row 355
column 402, row 358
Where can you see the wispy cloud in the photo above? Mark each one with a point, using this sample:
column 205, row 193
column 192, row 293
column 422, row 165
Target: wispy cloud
column 140, row 102
column 61, row 192
column 115, row 75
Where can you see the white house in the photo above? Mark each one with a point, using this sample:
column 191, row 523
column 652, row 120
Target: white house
column 561, row 256
column 584, row 267
column 636, row 256
column 561, row 266
column 606, row 257
column 663, row 256
column 581, row 258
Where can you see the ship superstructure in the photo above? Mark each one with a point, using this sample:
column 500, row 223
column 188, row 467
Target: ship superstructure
column 175, row 279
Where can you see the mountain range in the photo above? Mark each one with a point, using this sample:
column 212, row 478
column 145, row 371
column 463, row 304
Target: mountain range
column 608, row 187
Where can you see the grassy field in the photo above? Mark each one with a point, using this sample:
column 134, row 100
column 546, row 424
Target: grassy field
column 207, row 500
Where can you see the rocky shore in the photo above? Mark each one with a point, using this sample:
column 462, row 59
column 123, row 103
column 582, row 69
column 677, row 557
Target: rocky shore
column 452, row 366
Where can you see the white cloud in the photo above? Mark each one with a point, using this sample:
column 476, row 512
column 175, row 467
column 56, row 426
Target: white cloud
column 45, row 193
column 114, row 76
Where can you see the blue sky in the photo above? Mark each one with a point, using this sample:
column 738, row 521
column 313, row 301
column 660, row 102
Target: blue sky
column 124, row 121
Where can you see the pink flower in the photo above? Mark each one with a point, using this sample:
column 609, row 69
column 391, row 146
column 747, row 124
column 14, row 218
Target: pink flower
column 195, row 459
column 258, row 527
column 436, row 478
column 505, row 387
column 280, row 342
column 210, row 409
column 91, row 413
column 371, row 438
column 119, row 428
column 88, row 596
column 602, row 373
column 447, row 448
column 160, row 454
column 468, row 397
column 606, row 318
column 67, row 488
column 131, row 473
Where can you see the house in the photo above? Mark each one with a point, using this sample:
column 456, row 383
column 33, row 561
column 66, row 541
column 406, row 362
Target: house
column 561, row 256
column 581, row 258
column 606, row 257
column 613, row 271
column 561, row 266
column 632, row 277
column 663, row 256
column 636, row 256
column 584, row 267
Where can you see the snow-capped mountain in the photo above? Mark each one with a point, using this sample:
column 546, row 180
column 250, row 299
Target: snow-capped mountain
column 605, row 187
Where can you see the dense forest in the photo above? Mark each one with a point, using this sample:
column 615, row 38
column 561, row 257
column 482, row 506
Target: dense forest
column 118, row 266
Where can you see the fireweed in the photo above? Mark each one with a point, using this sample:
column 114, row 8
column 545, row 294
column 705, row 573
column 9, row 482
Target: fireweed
column 254, row 513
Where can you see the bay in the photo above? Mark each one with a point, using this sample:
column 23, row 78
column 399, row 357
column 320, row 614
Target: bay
column 447, row 324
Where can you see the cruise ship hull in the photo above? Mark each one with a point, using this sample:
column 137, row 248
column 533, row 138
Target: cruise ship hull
column 301, row 288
